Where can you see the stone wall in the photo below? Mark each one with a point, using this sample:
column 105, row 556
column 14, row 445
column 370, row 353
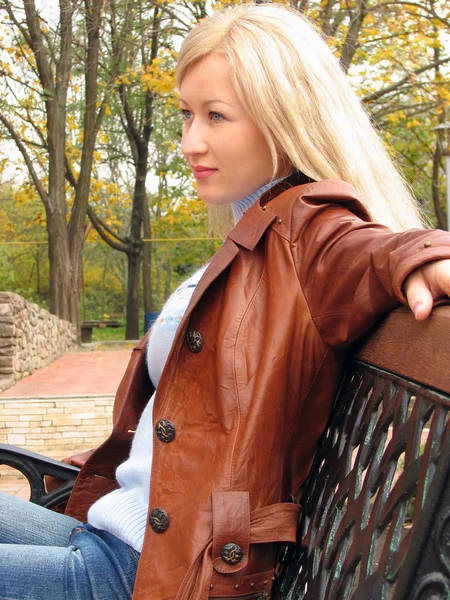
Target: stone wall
column 56, row 427
column 30, row 338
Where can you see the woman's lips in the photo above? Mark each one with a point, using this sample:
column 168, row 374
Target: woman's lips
column 202, row 172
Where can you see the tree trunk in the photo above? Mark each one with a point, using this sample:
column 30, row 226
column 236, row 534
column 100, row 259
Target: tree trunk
column 440, row 214
column 60, row 267
column 147, row 261
column 103, row 288
column 168, row 282
column 134, row 263
column 136, row 244
column 38, row 273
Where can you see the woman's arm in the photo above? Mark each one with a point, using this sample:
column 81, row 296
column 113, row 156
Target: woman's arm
column 352, row 271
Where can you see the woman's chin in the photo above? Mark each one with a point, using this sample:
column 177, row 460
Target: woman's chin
column 214, row 199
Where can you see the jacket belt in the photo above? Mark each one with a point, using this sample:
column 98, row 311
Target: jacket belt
column 274, row 523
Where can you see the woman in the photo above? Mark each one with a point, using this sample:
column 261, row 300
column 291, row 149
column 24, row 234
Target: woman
column 246, row 368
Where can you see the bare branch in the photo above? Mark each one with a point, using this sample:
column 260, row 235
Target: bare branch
column 412, row 110
column 9, row 9
column 165, row 9
column 70, row 176
column 427, row 9
column 325, row 16
column 351, row 39
column 36, row 44
column 130, row 127
column 107, row 234
column 20, row 145
column 39, row 133
column 398, row 84
column 385, row 38
column 21, row 81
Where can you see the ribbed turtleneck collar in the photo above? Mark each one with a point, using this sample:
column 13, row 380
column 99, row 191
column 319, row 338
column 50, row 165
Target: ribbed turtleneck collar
column 243, row 204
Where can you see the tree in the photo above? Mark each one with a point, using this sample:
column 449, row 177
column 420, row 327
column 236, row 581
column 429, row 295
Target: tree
column 90, row 105
column 397, row 57
column 146, row 80
column 39, row 81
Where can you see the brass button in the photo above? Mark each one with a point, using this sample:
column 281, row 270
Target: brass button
column 427, row 245
column 231, row 554
column 165, row 430
column 159, row 520
column 194, row 341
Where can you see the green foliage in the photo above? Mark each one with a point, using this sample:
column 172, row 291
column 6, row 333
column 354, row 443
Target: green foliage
column 391, row 42
column 23, row 265
column 110, row 334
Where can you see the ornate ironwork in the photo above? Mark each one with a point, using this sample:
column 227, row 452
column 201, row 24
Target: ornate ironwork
column 376, row 519
column 35, row 467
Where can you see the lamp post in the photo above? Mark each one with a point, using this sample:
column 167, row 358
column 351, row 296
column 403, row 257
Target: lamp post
column 444, row 140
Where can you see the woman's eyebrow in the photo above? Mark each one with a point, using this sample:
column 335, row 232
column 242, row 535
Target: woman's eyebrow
column 206, row 102
column 218, row 100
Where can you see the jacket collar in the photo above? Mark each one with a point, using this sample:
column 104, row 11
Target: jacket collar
column 256, row 220
column 247, row 233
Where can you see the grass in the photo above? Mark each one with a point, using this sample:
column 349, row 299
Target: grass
column 111, row 334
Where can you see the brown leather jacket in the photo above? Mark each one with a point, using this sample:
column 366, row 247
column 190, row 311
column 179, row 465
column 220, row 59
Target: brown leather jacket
column 248, row 386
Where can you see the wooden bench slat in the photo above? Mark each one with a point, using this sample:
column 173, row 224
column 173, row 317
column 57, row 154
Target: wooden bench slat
column 416, row 351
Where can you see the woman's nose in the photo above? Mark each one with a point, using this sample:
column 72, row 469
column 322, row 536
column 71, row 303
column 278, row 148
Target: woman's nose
column 193, row 139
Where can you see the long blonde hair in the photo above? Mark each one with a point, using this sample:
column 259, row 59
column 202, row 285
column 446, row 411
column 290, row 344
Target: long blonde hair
column 294, row 89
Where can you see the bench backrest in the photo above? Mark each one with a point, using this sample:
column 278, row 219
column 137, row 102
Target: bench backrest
column 376, row 508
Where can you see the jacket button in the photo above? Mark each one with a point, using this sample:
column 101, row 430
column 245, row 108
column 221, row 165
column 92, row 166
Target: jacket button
column 231, row 554
column 194, row 341
column 159, row 520
column 165, row 430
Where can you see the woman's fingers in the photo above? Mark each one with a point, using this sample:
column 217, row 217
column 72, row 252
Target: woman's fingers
column 420, row 299
column 426, row 284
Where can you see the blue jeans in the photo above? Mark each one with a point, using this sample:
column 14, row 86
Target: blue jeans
column 45, row 555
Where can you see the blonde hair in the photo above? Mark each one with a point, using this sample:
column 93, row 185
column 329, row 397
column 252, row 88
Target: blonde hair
column 294, row 89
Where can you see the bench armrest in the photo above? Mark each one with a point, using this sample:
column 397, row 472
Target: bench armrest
column 35, row 467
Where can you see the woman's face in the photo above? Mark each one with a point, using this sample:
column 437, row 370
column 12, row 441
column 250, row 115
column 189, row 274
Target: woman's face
column 226, row 151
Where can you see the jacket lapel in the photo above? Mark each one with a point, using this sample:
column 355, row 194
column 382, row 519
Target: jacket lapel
column 246, row 233
column 219, row 262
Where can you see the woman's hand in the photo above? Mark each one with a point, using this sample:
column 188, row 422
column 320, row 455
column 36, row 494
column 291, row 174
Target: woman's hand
column 426, row 284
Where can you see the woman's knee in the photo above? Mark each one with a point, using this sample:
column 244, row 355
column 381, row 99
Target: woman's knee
column 23, row 522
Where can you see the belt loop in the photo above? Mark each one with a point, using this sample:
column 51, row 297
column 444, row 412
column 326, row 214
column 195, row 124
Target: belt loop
column 231, row 525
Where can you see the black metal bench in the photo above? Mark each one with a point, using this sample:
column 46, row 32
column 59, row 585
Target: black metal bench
column 375, row 518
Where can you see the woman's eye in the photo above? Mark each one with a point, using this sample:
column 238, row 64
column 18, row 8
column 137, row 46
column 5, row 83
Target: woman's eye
column 215, row 116
column 186, row 114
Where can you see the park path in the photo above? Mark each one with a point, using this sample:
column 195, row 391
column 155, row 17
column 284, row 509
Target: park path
column 96, row 369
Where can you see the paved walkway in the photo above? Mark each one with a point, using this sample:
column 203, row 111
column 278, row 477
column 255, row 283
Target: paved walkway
column 95, row 369
column 78, row 373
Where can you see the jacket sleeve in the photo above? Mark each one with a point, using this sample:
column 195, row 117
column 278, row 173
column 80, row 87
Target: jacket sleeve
column 351, row 270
